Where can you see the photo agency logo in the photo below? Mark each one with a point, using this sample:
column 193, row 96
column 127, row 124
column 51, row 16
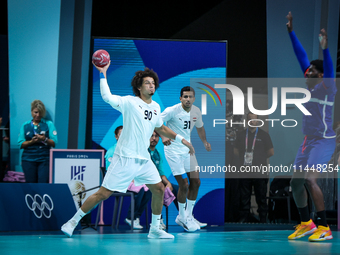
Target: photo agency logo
column 241, row 103
column 279, row 105
column 204, row 97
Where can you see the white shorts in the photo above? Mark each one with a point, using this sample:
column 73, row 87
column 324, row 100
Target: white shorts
column 181, row 163
column 123, row 170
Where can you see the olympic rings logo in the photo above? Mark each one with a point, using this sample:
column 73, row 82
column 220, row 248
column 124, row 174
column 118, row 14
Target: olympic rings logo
column 39, row 209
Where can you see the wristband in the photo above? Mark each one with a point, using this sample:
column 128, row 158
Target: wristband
column 101, row 75
column 179, row 138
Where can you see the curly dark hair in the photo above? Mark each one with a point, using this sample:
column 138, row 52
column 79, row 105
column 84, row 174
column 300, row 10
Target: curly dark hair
column 137, row 80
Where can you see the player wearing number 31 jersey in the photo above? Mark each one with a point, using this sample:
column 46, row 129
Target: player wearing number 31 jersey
column 181, row 122
column 182, row 118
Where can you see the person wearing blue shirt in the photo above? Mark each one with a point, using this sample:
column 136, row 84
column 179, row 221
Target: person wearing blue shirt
column 36, row 138
column 158, row 161
column 319, row 142
column 111, row 151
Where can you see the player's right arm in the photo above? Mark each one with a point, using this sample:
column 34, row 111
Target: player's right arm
column 105, row 92
column 166, row 116
column 167, row 132
column 297, row 46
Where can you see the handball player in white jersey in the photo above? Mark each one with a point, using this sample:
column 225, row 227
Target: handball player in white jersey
column 182, row 118
column 131, row 160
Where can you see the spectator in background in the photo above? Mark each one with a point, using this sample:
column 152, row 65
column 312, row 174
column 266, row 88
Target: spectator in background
column 253, row 147
column 110, row 152
column 36, row 138
column 158, row 161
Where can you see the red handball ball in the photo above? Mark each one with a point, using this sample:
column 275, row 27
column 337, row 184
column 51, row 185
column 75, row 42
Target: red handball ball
column 101, row 58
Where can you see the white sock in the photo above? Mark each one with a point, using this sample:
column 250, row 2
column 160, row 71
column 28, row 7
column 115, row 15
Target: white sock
column 181, row 210
column 190, row 206
column 155, row 220
column 78, row 216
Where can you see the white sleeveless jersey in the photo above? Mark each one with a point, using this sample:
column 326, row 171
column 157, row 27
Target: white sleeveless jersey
column 182, row 123
column 139, row 122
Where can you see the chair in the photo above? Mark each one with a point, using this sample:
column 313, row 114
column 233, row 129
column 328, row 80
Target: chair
column 288, row 204
column 119, row 197
column 279, row 190
column 167, row 216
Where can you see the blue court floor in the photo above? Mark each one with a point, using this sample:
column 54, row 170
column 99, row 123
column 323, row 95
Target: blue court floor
column 230, row 239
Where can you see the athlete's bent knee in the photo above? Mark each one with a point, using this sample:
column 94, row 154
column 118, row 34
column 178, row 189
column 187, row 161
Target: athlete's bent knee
column 158, row 189
column 103, row 194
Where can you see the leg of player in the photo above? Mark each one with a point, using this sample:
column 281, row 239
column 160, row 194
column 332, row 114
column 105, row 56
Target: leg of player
column 182, row 218
column 182, row 194
column 194, row 186
column 299, row 191
column 323, row 232
column 157, row 191
column 88, row 205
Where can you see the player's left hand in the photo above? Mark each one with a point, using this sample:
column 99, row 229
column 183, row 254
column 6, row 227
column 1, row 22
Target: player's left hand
column 323, row 39
column 207, row 146
column 189, row 145
column 289, row 24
